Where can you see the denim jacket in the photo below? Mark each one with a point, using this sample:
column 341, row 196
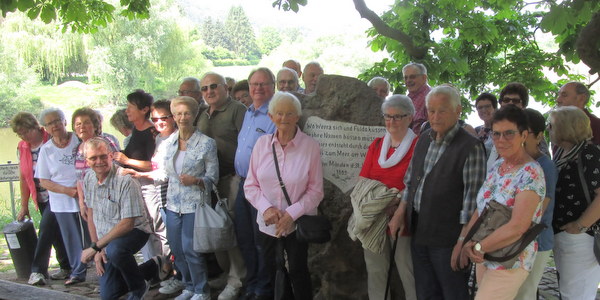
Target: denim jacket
column 200, row 161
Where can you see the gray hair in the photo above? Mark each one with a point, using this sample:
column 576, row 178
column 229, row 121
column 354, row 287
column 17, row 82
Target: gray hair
column 447, row 90
column 285, row 96
column 119, row 120
column 289, row 70
column 378, row 81
column 421, row 67
column 52, row 110
column 297, row 63
column 220, row 78
column 95, row 143
column 190, row 102
column 401, row 102
column 580, row 89
column 570, row 124
column 265, row 71
column 193, row 80
column 310, row 64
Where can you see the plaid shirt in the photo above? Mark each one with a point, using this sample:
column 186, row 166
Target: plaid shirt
column 118, row 197
column 473, row 173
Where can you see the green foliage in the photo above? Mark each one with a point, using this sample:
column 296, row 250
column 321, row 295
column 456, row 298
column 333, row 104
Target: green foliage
column 84, row 16
column 241, row 35
column 214, row 34
column 293, row 5
column 269, row 39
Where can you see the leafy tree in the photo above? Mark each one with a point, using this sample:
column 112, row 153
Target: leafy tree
column 214, row 34
column 269, row 39
column 480, row 44
column 241, row 35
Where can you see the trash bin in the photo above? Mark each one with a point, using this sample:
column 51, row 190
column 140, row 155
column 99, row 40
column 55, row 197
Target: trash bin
column 21, row 240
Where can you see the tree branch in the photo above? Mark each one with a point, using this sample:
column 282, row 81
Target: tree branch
column 392, row 33
column 587, row 44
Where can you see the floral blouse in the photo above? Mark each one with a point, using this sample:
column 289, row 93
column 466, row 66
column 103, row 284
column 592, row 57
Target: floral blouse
column 503, row 189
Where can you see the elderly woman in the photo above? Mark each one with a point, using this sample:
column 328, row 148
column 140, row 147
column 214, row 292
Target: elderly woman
column 576, row 211
column 386, row 161
column 121, row 123
column 56, row 171
column 299, row 160
column 241, row 93
column 486, row 104
column 86, row 125
column 191, row 165
column 26, row 126
column 516, row 180
column 537, row 125
column 380, row 85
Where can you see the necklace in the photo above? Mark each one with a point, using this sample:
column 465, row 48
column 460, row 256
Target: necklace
column 61, row 144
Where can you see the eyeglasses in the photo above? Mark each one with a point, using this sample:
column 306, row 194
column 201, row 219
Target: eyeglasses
column 508, row 135
column 161, row 118
column 186, row 92
column 54, row 122
column 211, row 86
column 394, row 117
column 183, row 114
column 260, row 84
column 99, row 157
column 509, row 100
column 411, row 77
column 288, row 82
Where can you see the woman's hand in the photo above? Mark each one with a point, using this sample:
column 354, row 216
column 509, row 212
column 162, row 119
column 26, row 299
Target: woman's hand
column 475, row 256
column 571, row 228
column 284, row 225
column 392, row 207
column 271, row 216
column 188, row 180
column 121, row 158
column 24, row 212
column 396, row 223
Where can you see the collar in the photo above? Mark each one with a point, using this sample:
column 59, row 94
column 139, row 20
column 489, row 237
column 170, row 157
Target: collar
column 264, row 109
column 222, row 108
column 293, row 141
column 111, row 174
column 448, row 137
column 423, row 89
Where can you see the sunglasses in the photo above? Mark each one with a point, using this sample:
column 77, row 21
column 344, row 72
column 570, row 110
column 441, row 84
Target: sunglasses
column 161, row 118
column 513, row 100
column 211, row 86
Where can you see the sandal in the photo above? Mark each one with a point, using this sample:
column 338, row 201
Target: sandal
column 73, row 280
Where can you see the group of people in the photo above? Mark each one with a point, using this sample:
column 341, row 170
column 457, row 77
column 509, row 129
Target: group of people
column 430, row 176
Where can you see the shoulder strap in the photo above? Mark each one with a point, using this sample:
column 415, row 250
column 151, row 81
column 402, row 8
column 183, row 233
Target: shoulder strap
column 584, row 185
column 281, row 184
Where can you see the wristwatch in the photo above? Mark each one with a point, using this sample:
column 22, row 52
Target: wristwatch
column 582, row 229
column 478, row 248
column 95, row 247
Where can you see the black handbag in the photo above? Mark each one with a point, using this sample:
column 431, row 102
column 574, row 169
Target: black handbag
column 309, row 229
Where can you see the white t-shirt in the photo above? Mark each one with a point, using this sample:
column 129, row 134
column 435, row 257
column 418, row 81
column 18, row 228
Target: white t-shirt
column 58, row 165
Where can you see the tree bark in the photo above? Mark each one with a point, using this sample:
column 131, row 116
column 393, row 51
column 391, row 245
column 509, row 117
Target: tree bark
column 392, row 33
column 587, row 44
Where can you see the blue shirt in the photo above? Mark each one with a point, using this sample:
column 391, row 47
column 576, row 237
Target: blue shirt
column 546, row 238
column 256, row 124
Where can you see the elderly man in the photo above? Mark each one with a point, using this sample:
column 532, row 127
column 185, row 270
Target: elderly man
column 442, row 182
column 190, row 86
column 311, row 74
column 415, row 79
column 577, row 94
column 222, row 121
column 119, row 227
column 256, row 123
column 294, row 65
column 287, row 80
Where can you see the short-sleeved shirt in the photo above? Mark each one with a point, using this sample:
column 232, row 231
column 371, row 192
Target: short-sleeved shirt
column 141, row 145
column 58, row 165
column 570, row 199
column 117, row 198
column 504, row 189
column 224, row 125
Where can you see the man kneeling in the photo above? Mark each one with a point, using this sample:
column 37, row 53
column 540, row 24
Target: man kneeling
column 119, row 227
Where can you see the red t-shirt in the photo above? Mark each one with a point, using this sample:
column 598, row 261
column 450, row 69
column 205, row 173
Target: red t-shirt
column 392, row 177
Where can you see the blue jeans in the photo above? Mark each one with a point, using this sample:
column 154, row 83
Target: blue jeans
column 258, row 277
column 191, row 264
column 74, row 230
column 48, row 236
column 121, row 272
column 434, row 278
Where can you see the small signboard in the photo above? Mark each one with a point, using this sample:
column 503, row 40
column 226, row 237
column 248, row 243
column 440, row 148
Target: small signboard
column 9, row 172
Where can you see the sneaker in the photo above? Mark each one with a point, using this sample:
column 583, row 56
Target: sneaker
column 229, row 293
column 173, row 287
column 219, row 282
column 185, row 295
column 201, row 297
column 37, row 279
column 61, row 274
column 167, row 282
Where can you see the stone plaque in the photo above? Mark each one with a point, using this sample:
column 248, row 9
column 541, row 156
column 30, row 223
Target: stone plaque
column 343, row 148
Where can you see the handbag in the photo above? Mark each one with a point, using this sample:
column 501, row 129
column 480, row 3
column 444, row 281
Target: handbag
column 586, row 192
column 309, row 229
column 213, row 227
column 495, row 215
